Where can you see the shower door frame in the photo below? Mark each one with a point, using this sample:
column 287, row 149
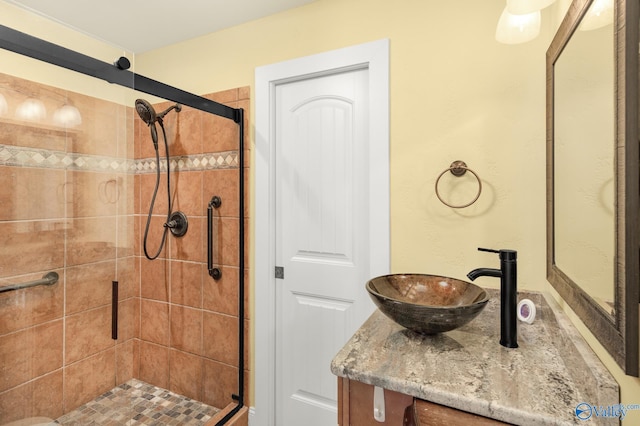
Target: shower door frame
column 42, row 50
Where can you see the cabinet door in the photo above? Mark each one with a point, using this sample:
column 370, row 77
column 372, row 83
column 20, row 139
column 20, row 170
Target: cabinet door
column 355, row 405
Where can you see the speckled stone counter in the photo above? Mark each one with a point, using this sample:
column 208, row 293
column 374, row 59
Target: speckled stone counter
column 539, row 383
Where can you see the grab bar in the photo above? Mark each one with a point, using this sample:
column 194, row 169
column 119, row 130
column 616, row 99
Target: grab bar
column 215, row 202
column 49, row 278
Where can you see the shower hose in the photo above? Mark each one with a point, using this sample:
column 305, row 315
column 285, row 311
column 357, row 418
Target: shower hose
column 155, row 193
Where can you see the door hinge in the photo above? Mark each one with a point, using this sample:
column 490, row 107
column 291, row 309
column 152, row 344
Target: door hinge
column 280, row 272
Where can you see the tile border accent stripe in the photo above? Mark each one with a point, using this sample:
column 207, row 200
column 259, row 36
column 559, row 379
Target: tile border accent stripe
column 42, row 158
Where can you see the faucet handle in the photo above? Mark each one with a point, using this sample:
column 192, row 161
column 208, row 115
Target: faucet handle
column 505, row 254
column 489, row 250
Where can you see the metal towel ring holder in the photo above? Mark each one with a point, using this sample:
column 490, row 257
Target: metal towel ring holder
column 459, row 168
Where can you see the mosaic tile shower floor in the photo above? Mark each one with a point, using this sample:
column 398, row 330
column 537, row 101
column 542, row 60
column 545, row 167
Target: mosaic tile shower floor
column 139, row 403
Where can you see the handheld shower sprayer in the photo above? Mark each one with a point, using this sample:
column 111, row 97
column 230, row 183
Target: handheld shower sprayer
column 148, row 114
column 176, row 222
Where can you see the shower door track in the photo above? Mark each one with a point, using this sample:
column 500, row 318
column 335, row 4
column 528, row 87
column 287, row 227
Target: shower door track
column 33, row 47
column 51, row 53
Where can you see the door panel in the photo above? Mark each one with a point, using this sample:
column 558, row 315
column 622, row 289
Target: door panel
column 322, row 211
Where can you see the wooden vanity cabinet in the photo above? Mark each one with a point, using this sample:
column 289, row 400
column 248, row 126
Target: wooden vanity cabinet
column 355, row 408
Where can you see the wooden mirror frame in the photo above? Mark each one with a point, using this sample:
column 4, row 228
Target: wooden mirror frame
column 618, row 333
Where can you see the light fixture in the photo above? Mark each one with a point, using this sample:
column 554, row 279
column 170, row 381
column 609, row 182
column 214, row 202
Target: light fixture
column 32, row 110
column 515, row 29
column 523, row 7
column 600, row 14
column 67, row 116
column 3, row 105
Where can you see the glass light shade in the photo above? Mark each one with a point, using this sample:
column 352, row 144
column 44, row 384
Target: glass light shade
column 600, row 14
column 3, row 105
column 32, row 110
column 515, row 29
column 67, row 116
column 523, row 7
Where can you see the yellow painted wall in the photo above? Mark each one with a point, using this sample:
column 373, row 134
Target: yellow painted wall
column 455, row 94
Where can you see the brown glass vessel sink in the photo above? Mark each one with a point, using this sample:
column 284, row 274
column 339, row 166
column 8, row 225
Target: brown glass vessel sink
column 427, row 304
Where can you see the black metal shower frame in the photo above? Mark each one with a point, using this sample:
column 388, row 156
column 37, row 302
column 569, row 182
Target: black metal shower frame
column 33, row 47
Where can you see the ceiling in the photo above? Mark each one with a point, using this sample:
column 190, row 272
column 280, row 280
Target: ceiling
column 139, row 26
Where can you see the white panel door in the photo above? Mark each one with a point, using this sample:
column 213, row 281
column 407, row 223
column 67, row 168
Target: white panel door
column 322, row 241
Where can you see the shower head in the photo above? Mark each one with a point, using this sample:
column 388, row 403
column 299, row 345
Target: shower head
column 145, row 111
column 148, row 115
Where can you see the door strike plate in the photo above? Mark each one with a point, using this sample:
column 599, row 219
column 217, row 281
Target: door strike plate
column 280, row 272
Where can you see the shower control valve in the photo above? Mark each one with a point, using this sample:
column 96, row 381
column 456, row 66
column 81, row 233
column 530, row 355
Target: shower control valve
column 177, row 224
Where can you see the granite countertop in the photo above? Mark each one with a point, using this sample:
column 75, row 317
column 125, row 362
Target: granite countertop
column 539, row 383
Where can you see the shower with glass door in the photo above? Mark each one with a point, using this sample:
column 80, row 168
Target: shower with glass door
column 122, row 261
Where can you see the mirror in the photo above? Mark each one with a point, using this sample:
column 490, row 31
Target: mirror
column 583, row 172
column 593, row 255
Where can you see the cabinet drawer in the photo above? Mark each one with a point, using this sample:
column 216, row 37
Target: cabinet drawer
column 425, row 413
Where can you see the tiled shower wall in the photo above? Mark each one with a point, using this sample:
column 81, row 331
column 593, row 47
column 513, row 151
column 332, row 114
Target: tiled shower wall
column 189, row 328
column 74, row 201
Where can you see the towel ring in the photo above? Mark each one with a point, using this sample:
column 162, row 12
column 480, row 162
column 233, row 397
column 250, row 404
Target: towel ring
column 459, row 168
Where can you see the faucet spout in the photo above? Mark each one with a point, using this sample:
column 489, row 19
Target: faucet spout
column 508, row 293
column 484, row 272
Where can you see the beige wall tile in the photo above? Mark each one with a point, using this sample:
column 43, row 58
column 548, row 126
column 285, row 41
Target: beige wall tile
column 154, row 326
column 87, row 333
column 186, row 283
column 156, row 229
column 127, row 277
column 147, row 187
column 125, row 365
column 223, row 183
column 186, row 329
column 219, row 382
column 154, row 364
column 46, row 399
column 128, row 319
column 222, row 295
column 192, row 246
column 92, row 194
column 220, row 337
column 154, row 279
column 40, row 397
column 31, row 246
column 186, row 139
column 88, row 378
column 219, row 134
column 30, row 353
column 91, row 240
column 22, row 200
column 186, row 374
column 89, row 286
column 186, row 190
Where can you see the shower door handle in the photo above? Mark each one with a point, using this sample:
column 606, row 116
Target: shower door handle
column 215, row 202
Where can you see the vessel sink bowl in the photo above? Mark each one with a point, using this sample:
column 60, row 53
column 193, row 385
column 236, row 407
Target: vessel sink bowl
column 427, row 304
